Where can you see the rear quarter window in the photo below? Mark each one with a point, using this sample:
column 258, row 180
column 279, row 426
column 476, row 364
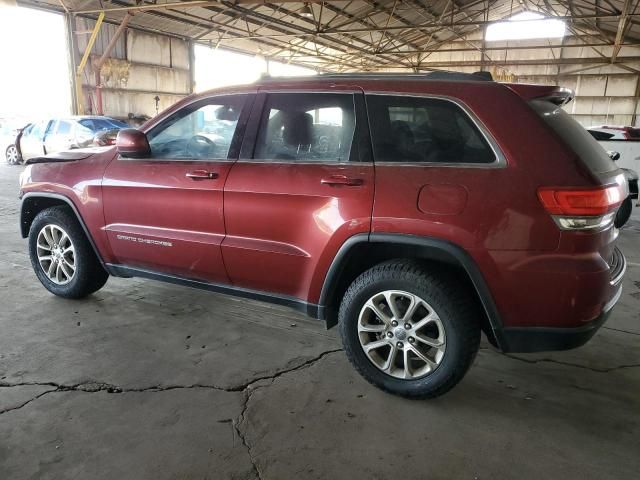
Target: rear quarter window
column 411, row 129
column 574, row 136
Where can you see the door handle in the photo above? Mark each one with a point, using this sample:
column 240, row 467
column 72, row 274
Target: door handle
column 337, row 180
column 201, row 175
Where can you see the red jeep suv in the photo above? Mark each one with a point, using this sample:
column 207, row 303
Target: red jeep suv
column 415, row 211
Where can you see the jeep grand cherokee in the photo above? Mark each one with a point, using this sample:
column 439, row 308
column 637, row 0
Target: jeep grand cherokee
column 415, row 211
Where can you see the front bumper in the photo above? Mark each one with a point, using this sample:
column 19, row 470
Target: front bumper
column 541, row 339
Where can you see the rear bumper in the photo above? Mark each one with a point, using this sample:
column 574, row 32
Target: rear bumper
column 541, row 339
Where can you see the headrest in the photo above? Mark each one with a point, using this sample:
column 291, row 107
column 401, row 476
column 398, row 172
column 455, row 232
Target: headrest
column 228, row 112
column 444, row 125
column 297, row 128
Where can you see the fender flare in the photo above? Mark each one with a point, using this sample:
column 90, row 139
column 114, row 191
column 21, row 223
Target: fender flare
column 24, row 230
column 428, row 248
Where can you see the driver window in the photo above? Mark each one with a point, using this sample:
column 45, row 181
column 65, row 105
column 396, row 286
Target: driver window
column 201, row 131
column 306, row 127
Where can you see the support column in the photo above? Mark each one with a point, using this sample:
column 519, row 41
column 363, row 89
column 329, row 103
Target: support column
column 83, row 62
column 634, row 118
column 70, row 26
column 192, row 65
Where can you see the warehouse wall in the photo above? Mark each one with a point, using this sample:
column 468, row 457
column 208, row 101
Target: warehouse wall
column 606, row 94
column 141, row 67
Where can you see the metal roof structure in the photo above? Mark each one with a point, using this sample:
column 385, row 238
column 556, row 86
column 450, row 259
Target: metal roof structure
column 382, row 35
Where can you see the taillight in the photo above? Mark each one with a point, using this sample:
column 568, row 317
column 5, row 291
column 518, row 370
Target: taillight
column 582, row 209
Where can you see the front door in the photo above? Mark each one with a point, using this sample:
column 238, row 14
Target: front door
column 59, row 137
column 302, row 186
column 32, row 140
column 165, row 213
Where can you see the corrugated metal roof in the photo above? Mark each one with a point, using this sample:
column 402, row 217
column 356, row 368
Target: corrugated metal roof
column 346, row 35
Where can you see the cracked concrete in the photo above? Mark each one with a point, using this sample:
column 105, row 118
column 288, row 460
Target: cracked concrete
column 146, row 380
column 508, row 419
column 39, row 390
column 14, row 397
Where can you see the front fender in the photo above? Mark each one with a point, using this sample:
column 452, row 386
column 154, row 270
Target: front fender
column 34, row 202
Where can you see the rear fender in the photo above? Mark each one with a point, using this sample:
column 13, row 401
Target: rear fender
column 412, row 246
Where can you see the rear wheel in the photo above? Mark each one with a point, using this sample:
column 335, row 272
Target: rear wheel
column 62, row 256
column 408, row 331
column 624, row 213
column 12, row 155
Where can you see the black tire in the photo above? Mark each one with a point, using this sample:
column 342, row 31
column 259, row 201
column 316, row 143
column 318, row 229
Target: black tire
column 458, row 312
column 89, row 276
column 624, row 213
column 12, row 155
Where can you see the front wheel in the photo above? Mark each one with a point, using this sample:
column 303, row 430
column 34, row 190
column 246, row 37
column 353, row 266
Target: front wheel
column 409, row 331
column 12, row 155
column 62, row 256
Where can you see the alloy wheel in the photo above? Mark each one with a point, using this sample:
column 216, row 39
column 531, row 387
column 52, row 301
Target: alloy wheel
column 401, row 334
column 56, row 254
column 12, row 155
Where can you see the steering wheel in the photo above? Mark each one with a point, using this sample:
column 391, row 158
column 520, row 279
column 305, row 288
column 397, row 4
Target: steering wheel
column 199, row 146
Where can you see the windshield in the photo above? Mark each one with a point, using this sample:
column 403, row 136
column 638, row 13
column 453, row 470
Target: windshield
column 97, row 124
column 575, row 136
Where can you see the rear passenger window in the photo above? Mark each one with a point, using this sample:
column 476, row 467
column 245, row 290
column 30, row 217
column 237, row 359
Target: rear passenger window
column 306, row 127
column 424, row 130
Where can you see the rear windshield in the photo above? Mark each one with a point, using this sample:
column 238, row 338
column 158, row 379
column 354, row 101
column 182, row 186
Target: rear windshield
column 575, row 136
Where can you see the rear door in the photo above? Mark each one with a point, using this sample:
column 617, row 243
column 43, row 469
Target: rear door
column 302, row 186
column 165, row 213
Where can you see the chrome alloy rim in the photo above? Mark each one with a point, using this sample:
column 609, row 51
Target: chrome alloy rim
column 401, row 334
column 56, row 254
column 12, row 154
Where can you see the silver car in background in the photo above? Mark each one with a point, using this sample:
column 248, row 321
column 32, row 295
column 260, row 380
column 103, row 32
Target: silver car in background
column 59, row 134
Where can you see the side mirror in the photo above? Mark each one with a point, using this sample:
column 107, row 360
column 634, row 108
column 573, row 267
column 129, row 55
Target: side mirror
column 132, row 143
column 614, row 155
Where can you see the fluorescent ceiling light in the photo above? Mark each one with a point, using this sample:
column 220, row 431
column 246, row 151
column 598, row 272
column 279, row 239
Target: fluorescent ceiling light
column 524, row 26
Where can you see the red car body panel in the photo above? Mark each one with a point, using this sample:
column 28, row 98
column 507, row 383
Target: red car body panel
column 284, row 226
column 155, row 201
column 81, row 183
column 277, row 228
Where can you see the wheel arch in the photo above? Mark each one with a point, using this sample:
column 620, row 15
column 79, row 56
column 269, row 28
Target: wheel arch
column 363, row 251
column 35, row 202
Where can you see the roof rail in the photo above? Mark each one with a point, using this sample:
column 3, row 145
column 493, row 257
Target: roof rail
column 434, row 75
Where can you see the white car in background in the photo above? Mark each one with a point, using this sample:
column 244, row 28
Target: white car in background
column 58, row 134
column 623, row 146
column 621, row 139
column 604, row 132
column 9, row 130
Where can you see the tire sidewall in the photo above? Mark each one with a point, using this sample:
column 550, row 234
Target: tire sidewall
column 434, row 297
column 73, row 230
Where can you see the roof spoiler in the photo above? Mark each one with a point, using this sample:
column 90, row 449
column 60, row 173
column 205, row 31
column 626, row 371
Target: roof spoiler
column 560, row 97
column 557, row 95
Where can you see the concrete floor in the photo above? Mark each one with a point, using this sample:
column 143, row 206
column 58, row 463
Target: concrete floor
column 151, row 381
